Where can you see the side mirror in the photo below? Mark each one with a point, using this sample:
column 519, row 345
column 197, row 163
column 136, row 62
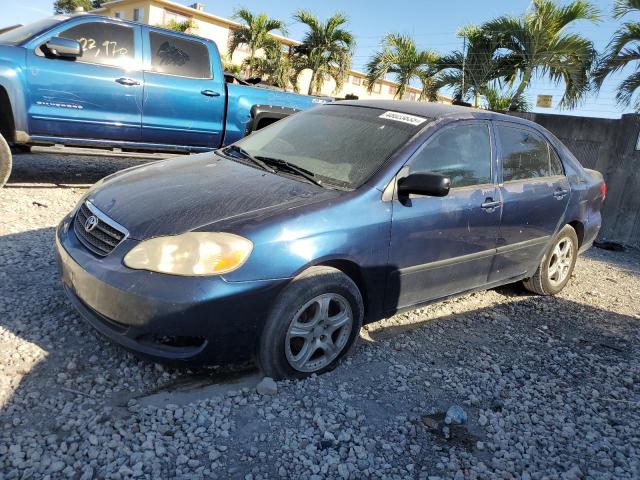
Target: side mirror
column 63, row 47
column 430, row 184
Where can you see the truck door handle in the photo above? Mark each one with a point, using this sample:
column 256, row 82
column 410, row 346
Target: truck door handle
column 560, row 193
column 210, row 93
column 128, row 82
column 490, row 205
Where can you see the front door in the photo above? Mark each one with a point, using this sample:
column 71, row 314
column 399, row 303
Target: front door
column 96, row 96
column 535, row 194
column 183, row 103
column 442, row 246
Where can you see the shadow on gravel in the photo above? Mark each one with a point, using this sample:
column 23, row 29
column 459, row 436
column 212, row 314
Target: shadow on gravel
column 76, row 362
column 57, row 354
column 65, row 169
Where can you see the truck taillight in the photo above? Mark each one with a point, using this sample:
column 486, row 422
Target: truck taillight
column 603, row 190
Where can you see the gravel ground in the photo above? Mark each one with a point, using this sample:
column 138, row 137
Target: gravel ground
column 550, row 386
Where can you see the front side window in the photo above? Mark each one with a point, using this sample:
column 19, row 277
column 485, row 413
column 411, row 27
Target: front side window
column 179, row 56
column 103, row 43
column 526, row 155
column 461, row 152
column 341, row 145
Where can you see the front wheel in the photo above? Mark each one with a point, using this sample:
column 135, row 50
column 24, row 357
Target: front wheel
column 5, row 161
column 556, row 266
column 312, row 325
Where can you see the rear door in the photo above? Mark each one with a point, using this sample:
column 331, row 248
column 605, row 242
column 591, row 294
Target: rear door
column 442, row 246
column 96, row 96
column 535, row 194
column 184, row 101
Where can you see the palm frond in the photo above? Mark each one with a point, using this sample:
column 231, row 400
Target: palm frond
column 623, row 7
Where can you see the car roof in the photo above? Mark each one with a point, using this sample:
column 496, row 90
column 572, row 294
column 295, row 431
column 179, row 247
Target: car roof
column 436, row 110
column 96, row 16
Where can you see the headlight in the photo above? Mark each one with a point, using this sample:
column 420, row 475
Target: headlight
column 192, row 253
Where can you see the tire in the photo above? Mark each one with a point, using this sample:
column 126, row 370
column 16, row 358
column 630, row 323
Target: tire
column 297, row 328
column 556, row 267
column 5, row 161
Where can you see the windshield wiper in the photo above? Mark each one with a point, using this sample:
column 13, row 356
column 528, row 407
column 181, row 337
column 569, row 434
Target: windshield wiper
column 244, row 154
column 289, row 167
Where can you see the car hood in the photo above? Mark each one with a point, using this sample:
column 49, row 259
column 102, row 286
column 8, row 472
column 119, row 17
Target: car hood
column 185, row 193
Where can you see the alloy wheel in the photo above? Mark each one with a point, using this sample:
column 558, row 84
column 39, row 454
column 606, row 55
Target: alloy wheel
column 560, row 261
column 319, row 332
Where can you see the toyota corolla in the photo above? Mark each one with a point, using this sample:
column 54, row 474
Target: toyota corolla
column 280, row 246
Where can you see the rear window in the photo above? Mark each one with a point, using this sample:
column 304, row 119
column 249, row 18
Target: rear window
column 342, row 145
column 179, row 56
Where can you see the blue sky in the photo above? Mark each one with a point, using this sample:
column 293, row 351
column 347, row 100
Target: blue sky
column 432, row 23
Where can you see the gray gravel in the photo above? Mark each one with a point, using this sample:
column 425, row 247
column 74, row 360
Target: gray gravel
column 549, row 386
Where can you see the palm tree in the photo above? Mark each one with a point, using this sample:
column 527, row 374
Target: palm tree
column 498, row 100
column 188, row 26
column 623, row 51
column 469, row 72
column 275, row 66
column 537, row 44
column 326, row 50
column 255, row 33
column 401, row 57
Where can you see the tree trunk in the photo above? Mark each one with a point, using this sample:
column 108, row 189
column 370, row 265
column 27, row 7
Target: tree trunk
column 524, row 83
column 311, row 82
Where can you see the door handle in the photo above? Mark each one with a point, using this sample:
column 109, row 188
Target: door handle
column 489, row 204
column 210, row 93
column 560, row 193
column 127, row 82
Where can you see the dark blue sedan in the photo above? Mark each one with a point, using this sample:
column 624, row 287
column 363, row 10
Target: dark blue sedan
column 280, row 246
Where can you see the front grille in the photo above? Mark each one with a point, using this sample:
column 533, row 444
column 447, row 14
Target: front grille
column 104, row 237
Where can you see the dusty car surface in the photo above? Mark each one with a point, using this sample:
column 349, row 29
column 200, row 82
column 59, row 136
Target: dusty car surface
column 280, row 246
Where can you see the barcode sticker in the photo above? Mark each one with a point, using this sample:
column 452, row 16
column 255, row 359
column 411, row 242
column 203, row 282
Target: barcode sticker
column 403, row 117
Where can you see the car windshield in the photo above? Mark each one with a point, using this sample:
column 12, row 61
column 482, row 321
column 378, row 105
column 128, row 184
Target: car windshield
column 340, row 145
column 20, row 34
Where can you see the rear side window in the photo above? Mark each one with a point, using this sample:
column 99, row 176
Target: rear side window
column 526, row 155
column 103, row 43
column 462, row 153
column 178, row 56
column 555, row 165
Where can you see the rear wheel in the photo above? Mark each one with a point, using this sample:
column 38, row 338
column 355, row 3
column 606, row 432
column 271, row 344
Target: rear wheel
column 313, row 324
column 5, row 161
column 556, row 266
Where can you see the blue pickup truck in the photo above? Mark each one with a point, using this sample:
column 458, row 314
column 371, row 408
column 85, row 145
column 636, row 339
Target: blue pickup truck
column 92, row 81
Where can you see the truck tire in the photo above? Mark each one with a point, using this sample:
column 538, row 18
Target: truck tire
column 5, row 161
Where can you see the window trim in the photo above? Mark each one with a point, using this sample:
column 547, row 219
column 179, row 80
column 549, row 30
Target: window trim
column 458, row 123
column 79, row 59
column 525, row 128
column 148, row 67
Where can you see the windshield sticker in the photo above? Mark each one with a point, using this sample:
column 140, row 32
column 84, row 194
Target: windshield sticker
column 403, row 117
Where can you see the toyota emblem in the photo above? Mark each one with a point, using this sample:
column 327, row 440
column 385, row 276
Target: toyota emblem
column 90, row 223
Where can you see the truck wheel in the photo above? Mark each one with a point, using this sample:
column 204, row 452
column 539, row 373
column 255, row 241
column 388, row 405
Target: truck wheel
column 313, row 324
column 5, row 161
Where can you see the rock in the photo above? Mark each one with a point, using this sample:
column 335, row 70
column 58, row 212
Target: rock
column 455, row 415
column 267, row 386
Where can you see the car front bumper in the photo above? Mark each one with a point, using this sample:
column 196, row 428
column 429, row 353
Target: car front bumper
column 191, row 320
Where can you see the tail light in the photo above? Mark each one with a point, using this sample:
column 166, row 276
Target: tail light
column 603, row 191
